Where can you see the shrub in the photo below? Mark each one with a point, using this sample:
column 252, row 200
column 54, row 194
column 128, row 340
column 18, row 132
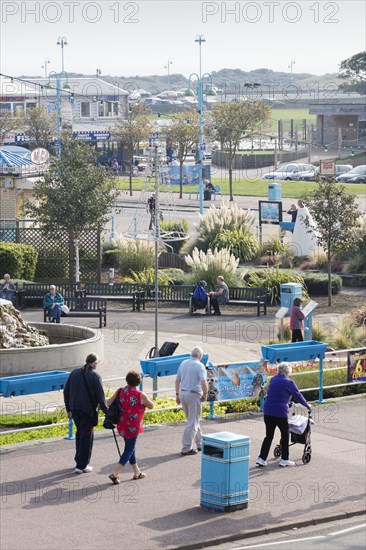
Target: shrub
column 133, row 255
column 271, row 279
column 359, row 316
column 208, row 266
column 239, row 242
column 109, row 255
column 171, row 229
column 317, row 283
column 217, row 220
column 346, row 334
column 147, row 277
column 19, row 260
column 175, row 274
column 274, row 247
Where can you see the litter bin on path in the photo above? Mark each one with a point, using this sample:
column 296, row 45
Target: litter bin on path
column 225, row 471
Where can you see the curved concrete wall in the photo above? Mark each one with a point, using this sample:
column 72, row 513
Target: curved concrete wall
column 73, row 344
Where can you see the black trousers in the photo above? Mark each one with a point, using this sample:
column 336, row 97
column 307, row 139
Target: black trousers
column 297, row 335
column 83, row 439
column 272, row 422
column 215, row 305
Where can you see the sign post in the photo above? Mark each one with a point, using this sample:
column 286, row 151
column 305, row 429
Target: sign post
column 308, row 319
column 281, row 313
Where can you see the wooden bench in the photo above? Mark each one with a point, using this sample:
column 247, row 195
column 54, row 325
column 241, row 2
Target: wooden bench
column 246, row 296
column 167, row 293
column 32, row 294
column 84, row 307
column 118, row 292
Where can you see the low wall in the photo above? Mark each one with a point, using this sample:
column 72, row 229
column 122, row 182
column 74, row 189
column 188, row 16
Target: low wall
column 72, row 345
column 250, row 160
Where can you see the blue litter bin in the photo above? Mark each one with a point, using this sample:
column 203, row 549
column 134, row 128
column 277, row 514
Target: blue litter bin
column 225, row 471
column 274, row 192
column 288, row 293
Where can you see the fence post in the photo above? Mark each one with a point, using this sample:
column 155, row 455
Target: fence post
column 321, row 400
column 99, row 256
column 70, row 435
column 17, row 232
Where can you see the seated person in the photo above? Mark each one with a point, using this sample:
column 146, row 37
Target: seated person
column 199, row 298
column 53, row 302
column 7, row 288
column 208, row 190
column 220, row 295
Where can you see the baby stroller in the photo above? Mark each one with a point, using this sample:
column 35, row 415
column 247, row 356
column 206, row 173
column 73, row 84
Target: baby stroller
column 300, row 432
column 199, row 299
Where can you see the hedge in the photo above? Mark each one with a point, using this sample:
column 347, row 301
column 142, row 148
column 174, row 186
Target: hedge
column 317, row 283
column 19, row 260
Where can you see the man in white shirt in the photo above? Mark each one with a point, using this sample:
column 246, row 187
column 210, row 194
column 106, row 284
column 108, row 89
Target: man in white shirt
column 191, row 389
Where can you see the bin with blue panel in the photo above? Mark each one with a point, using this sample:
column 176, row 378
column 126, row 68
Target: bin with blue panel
column 225, row 471
column 288, row 293
column 274, row 192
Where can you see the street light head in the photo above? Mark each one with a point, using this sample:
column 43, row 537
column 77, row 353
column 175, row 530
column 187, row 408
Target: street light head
column 189, row 92
column 200, row 38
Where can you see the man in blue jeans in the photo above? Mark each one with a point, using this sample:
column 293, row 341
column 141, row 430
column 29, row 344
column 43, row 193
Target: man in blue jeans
column 53, row 302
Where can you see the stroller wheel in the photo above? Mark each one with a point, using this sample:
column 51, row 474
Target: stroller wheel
column 277, row 451
column 306, row 458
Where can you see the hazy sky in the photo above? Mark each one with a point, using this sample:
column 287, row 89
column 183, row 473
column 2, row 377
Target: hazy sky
column 138, row 38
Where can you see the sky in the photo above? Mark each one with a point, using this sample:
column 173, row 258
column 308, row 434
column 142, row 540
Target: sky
column 128, row 38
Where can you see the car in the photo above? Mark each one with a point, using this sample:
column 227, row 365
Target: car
column 356, row 175
column 290, row 172
column 340, row 169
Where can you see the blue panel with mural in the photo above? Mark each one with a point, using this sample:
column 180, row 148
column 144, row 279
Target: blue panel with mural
column 236, row 380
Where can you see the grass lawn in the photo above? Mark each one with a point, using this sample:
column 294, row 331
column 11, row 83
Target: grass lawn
column 248, row 187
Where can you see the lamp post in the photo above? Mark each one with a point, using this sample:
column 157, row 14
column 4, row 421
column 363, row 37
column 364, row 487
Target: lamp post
column 167, row 66
column 44, row 66
column 58, row 77
column 292, row 63
column 62, row 41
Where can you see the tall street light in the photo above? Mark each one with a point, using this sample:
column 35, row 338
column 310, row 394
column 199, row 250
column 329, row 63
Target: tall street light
column 292, row 63
column 59, row 88
column 62, row 41
column 167, row 66
column 44, row 66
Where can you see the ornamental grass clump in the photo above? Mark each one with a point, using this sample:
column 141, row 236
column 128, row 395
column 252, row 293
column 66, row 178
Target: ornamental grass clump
column 133, row 255
column 217, row 220
column 207, row 266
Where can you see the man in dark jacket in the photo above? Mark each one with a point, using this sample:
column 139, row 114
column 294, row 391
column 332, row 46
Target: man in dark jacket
column 82, row 394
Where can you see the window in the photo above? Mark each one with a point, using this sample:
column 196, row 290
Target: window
column 107, row 108
column 85, row 109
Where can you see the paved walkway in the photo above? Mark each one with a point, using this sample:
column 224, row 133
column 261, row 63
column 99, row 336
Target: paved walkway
column 44, row 505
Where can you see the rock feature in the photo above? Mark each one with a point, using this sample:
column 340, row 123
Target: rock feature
column 15, row 332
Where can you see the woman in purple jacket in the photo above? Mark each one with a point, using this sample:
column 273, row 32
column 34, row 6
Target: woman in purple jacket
column 281, row 391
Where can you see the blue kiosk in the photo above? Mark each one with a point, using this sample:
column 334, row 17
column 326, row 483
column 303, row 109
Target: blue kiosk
column 299, row 351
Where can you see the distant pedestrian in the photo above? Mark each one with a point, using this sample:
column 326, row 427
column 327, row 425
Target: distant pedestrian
column 82, row 394
column 53, row 302
column 132, row 404
column 7, row 288
column 219, row 296
column 151, row 205
column 191, row 389
column 281, row 391
column 296, row 321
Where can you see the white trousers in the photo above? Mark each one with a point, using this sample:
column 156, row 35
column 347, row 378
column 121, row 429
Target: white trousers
column 192, row 406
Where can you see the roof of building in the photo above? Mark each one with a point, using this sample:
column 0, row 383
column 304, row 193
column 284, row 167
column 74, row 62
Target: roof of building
column 12, row 159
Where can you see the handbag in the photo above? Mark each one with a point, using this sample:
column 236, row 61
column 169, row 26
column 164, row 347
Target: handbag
column 95, row 412
column 113, row 413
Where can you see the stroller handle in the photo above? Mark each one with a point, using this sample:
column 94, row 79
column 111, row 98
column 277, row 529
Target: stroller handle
column 292, row 403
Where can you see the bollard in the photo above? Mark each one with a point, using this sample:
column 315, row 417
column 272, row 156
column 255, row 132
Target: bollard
column 70, row 434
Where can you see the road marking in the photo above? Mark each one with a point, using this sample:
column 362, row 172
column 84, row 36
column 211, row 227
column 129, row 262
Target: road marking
column 292, row 541
column 362, row 526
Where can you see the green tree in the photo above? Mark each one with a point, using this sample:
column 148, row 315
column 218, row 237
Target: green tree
column 40, row 126
column 8, row 123
column 353, row 70
column 336, row 216
column 232, row 121
column 131, row 128
column 183, row 135
column 74, row 195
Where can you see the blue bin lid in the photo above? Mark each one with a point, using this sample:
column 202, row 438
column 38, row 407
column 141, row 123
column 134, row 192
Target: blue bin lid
column 290, row 285
column 226, row 438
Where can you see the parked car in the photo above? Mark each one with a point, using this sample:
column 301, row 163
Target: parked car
column 356, row 175
column 290, row 172
column 340, row 169
column 311, row 175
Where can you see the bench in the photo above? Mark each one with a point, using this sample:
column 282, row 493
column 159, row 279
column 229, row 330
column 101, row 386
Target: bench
column 84, row 307
column 118, row 292
column 166, row 293
column 33, row 293
column 247, row 296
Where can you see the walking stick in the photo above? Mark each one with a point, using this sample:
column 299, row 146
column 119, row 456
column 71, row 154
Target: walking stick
column 115, row 439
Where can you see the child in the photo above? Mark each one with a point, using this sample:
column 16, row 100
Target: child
column 296, row 321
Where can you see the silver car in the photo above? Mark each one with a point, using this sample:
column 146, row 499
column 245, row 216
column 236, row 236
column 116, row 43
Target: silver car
column 290, row 172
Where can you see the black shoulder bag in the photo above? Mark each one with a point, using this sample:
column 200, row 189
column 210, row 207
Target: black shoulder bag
column 95, row 412
column 113, row 413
